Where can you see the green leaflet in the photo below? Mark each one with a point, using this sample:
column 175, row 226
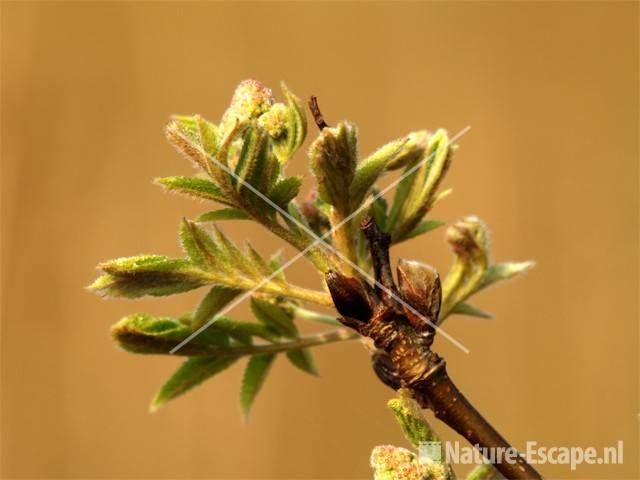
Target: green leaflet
column 244, row 331
column 147, row 334
column 190, row 374
column 281, row 321
column 369, row 169
column 225, row 264
column 198, row 245
column 256, row 166
column 504, row 271
column 416, row 193
column 391, row 156
column 155, row 275
column 198, row 131
column 223, row 214
column 195, row 187
column 469, row 310
column 285, row 190
column 303, row 360
column 274, row 316
column 423, row 227
column 217, row 298
column 255, row 374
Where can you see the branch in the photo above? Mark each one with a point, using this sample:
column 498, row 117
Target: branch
column 406, row 338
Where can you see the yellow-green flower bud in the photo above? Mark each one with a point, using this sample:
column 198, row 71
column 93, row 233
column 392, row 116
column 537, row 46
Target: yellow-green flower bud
column 250, row 100
column 274, row 121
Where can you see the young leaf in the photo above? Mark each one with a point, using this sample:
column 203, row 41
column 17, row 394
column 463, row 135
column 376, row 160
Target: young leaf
column 285, row 190
column 369, row 169
column 198, row 245
column 416, row 193
column 504, row 271
column 274, row 316
column 466, row 309
column 195, row 187
column 217, row 298
column 257, row 167
column 154, row 275
column 255, row 374
column 146, row 334
column 223, row 214
column 190, row 374
column 423, row 227
column 303, row 360
column 244, row 331
column 391, row 156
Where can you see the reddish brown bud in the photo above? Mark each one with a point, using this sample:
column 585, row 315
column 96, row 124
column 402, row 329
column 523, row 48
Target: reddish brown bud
column 349, row 296
column 420, row 286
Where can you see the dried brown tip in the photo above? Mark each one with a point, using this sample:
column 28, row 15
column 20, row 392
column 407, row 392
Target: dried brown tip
column 317, row 114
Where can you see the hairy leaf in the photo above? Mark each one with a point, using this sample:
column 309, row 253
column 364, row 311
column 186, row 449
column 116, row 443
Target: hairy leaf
column 244, row 331
column 285, row 190
column 190, row 374
column 274, row 316
column 155, row 275
column 217, row 298
column 303, row 360
column 423, row 227
column 416, row 193
column 195, row 187
column 504, row 271
column 391, row 156
column 223, row 214
column 466, row 309
column 255, row 374
column 147, row 334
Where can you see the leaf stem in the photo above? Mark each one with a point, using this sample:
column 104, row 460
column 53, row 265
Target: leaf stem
column 324, row 338
column 315, row 316
column 272, row 288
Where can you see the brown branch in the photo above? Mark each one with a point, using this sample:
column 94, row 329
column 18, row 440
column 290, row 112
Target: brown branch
column 405, row 358
column 317, row 114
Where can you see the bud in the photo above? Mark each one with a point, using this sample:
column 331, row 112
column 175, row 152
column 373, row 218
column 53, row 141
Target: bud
column 334, row 155
column 274, row 121
column 388, row 457
column 413, row 150
column 420, row 287
column 412, row 420
column 250, row 100
column 469, row 237
column 349, row 296
column 396, row 463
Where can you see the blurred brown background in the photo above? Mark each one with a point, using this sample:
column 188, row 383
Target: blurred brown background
column 551, row 164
